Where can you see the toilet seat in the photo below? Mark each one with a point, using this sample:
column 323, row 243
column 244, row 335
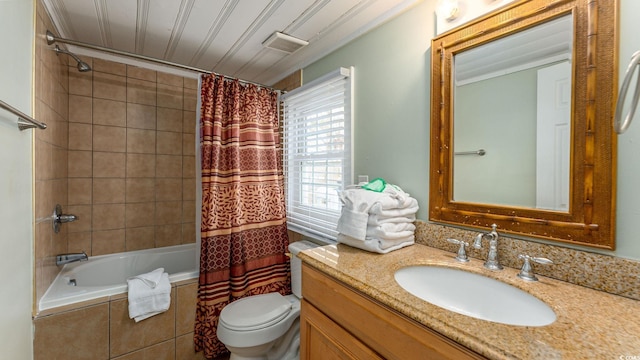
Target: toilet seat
column 255, row 312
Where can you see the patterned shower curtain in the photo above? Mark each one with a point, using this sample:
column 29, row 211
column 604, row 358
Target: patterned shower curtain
column 244, row 233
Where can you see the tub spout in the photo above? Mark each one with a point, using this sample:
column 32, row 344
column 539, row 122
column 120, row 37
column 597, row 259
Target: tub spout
column 69, row 258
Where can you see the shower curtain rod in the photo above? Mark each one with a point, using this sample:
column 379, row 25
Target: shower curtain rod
column 24, row 121
column 51, row 38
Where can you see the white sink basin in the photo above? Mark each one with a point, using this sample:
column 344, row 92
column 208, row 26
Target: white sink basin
column 475, row 295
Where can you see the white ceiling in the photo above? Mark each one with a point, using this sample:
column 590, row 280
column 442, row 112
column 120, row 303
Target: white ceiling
column 224, row 36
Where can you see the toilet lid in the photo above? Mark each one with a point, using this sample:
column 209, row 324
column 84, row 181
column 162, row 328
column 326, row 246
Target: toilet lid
column 255, row 312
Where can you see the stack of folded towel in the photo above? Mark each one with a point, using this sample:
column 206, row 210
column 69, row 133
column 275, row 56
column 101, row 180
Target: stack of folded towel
column 378, row 221
column 149, row 294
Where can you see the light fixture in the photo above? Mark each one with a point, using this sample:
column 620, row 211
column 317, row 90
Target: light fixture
column 283, row 42
column 447, row 9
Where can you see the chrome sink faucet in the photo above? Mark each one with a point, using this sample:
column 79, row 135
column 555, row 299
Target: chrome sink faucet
column 69, row 258
column 492, row 262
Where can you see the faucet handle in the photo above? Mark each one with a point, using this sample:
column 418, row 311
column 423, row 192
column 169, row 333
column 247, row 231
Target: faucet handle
column 526, row 272
column 462, row 253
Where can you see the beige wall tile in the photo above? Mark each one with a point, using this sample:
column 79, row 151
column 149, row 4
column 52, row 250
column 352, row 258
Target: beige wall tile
column 186, row 300
column 170, row 79
column 168, row 212
column 80, row 191
column 189, row 233
column 110, row 67
column 79, row 242
column 141, row 141
column 108, row 164
column 107, row 242
column 169, row 143
column 141, row 116
column 185, row 348
column 141, row 73
column 141, row 165
column 108, row 190
column 190, row 100
column 163, row 351
column 141, row 91
column 109, row 138
column 80, row 109
column 169, row 119
column 80, row 83
column 188, row 144
column 109, row 112
column 44, row 198
column 139, row 238
column 43, row 160
column 78, row 334
column 140, row 214
column 168, row 166
column 140, row 190
column 188, row 166
column 189, row 120
column 127, row 335
column 168, row 235
column 59, row 158
column 109, row 86
column 168, row 189
column 80, row 136
column 80, row 164
column 191, row 83
column 170, row 96
column 188, row 211
column 107, row 217
column 189, row 189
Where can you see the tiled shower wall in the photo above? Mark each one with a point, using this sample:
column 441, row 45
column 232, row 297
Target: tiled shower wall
column 131, row 162
column 119, row 152
column 50, row 160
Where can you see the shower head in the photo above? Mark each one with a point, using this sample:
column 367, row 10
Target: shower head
column 82, row 66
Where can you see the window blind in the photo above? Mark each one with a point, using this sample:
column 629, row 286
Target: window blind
column 317, row 152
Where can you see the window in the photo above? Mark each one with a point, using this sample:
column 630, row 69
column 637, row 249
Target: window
column 317, row 152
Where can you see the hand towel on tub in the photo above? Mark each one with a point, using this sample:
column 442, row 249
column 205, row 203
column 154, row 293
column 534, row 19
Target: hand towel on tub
column 149, row 294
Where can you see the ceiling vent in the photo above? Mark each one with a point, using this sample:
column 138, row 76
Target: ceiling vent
column 283, row 42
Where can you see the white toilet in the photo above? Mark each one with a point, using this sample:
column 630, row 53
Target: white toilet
column 267, row 326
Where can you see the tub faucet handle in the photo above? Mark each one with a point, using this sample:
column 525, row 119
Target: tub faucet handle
column 462, row 253
column 526, row 273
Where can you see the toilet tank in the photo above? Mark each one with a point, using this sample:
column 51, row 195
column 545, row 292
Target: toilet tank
column 296, row 264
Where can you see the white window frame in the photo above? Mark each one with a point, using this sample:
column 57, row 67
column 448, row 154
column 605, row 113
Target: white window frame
column 333, row 91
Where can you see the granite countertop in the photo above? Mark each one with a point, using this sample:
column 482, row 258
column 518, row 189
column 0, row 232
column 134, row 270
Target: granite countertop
column 590, row 324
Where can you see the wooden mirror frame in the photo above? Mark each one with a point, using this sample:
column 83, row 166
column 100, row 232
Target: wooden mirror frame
column 590, row 220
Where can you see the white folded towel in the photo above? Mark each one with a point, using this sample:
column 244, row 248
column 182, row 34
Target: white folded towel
column 409, row 206
column 391, row 231
column 149, row 294
column 353, row 223
column 376, row 219
column 376, row 245
column 362, row 200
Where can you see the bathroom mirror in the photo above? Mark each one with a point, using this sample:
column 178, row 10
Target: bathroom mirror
column 521, row 114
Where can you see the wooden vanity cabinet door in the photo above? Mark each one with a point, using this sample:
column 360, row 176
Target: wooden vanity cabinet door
column 322, row 339
column 348, row 316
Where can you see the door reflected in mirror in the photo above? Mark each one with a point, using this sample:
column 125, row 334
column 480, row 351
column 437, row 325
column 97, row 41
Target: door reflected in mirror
column 512, row 99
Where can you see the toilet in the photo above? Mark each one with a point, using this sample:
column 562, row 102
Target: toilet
column 266, row 326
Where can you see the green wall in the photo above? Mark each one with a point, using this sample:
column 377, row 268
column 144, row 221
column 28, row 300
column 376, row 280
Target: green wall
column 391, row 100
column 392, row 110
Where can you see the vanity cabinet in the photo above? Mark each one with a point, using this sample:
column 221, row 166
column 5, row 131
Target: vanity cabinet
column 338, row 322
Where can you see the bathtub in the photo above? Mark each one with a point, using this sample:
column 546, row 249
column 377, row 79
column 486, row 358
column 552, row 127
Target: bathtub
column 107, row 274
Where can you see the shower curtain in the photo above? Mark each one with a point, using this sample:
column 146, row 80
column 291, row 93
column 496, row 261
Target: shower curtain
column 243, row 230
